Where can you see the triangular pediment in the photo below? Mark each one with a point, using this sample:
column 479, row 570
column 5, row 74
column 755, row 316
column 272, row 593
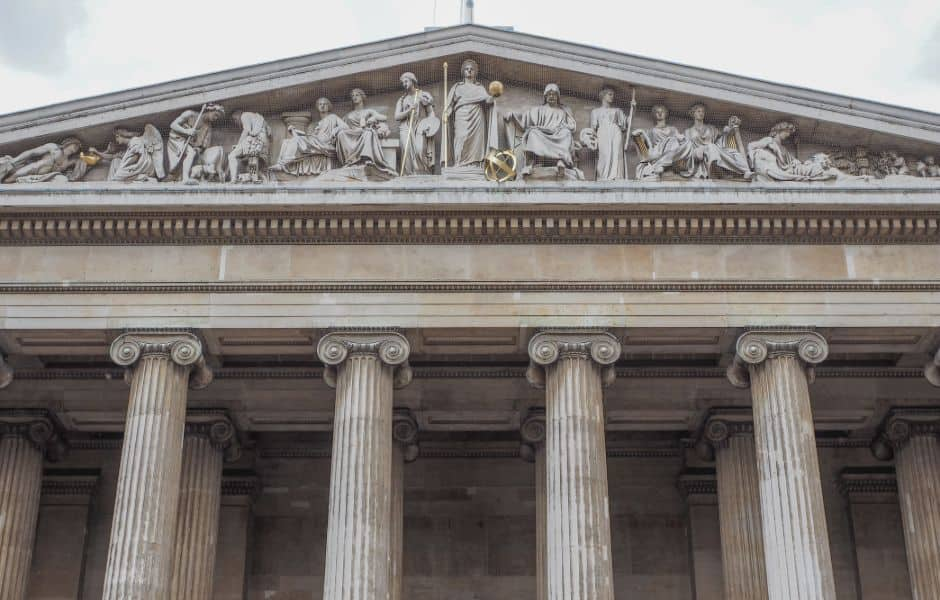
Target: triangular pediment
column 524, row 63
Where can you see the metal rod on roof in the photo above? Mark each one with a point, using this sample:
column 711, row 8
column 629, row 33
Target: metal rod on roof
column 466, row 12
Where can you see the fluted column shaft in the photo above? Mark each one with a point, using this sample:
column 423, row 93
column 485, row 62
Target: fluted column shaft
column 578, row 515
column 404, row 449
column 917, row 464
column 796, row 541
column 738, row 484
column 541, row 524
column 20, row 485
column 210, row 437
column 145, row 510
column 359, row 530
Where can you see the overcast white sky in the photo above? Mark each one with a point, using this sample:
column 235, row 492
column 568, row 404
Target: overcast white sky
column 57, row 50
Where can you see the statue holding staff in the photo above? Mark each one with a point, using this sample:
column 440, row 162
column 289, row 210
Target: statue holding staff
column 190, row 136
column 417, row 126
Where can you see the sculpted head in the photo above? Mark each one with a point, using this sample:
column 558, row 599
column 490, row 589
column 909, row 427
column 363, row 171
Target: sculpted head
column 697, row 112
column 606, row 95
column 237, row 115
column 930, row 161
column 357, row 96
column 552, row 94
column 213, row 113
column 408, row 81
column 822, row 159
column 123, row 135
column 782, row 130
column 660, row 112
column 71, row 145
column 469, row 69
column 324, row 106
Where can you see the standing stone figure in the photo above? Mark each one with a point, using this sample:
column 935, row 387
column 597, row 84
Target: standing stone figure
column 710, row 148
column 143, row 159
column 361, row 142
column 660, row 147
column 469, row 105
column 115, row 149
column 773, row 162
column 313, row 151
column 547, row 132
column 49, row 162
column 927, row 167
column 253, row 147
column 414, row 112
column 606, row 135
column 197, row 129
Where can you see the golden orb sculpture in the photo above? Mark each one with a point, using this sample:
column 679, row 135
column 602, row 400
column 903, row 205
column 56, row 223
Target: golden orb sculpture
column 500, row 166
column 496, row 89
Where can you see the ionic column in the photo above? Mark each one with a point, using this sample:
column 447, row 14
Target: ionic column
column 364, row 368
column 24, row 438
column 912, row 433
column 160, row 367
column 573, row 366
column 404, row 449
column 738, row 485
column 533, row 436
column 778, row 367
column 209, row 440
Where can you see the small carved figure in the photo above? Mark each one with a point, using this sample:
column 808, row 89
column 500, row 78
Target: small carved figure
column 417, row 126
column 253, row 147
column 49, row 162
column 115, row 149
column 547, row 133
column 361, row 141
column 606, row 135
column 773, row 162
column 862, row 162
column 190, row 136
column 314, row 151
column 898, row 164
column 469, row 106
column 143, row 159
column 928, row 167
column 842, row 162
column 708, row 147
column 661, row 147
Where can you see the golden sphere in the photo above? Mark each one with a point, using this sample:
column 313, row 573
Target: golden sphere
column 496, row 89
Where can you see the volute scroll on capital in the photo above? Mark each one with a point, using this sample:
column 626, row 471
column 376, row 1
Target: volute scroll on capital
column 547, row 347
column 6, row 373
column 38, row 428
column 181, row 347
column 390, row 347
column 405, row 433
column 754, row 347
column 533, row 432
column 217, row 426
column 720, row 427
column 901, row 426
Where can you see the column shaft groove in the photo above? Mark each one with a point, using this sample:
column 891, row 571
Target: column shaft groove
column 20, row 486
column 917, row 463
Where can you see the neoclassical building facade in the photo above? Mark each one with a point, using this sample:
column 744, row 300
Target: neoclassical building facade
column 469, row 314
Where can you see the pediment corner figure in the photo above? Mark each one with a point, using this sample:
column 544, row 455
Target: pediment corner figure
column 773, row 161
column 52, row 162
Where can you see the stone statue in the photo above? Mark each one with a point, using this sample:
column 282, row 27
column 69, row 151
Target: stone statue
column 190, row 137
column 469, row 106
column 253, row 147
column 313, row 151
column 606, row 135
column 862, row 162
column 928, row 167
column 115, row 149
column 360, row 143
column 660, row 147
column 773, row 162
column 49, row 162
column 417, row 126
column 708, row 147
column 142, row 161
column 547, row 133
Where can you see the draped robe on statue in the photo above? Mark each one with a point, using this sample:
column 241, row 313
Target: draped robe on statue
column 418, row 153
column 548, row 133
column 667, row 146
column 773, row 162
column 706, row 148
column 361, row 143
column 474, row 125
column 609, row 125
column 311, row 154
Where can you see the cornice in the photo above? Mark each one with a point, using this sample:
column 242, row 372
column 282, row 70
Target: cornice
column 593, row 215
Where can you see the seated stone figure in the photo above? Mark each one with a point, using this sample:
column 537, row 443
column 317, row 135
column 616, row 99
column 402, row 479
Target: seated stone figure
column 313, row 151
column 253, row 148
column 49, row 162
column 660, row 148
column 707, row 147
column 773, row 162
column 142, row 161
column 548, row 135
column 360, row 143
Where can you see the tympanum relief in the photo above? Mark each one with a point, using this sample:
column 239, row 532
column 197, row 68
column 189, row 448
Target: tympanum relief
column 413, row 134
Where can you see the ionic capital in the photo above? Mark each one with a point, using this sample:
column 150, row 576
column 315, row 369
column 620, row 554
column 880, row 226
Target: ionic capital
column 901, row 426
column 754, row 347
column 6, row 373
column 181, row 347
column 720, row 426
column 547, row 347
column 532, row 432
column 390, row 347
column 218, row 428
column 37, row 427
column 931, row 370
column 405, row 432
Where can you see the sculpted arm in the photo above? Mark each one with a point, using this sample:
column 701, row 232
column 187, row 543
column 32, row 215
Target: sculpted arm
column 35, row 153
column 179, row 125
column 761, row 144
column 400, row 113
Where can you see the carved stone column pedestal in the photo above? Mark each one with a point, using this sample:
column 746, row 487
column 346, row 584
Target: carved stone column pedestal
column 913, row 435
column 210, row 438
column 24, row 436
column 533, row 434
column 404, row 449
column 738, row 485
column 573, row 366
column 364, row 368
column 778, row 367
column 161, row 366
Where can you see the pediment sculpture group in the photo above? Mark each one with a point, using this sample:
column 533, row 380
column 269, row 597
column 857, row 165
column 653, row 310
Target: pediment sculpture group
column 544, row 141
